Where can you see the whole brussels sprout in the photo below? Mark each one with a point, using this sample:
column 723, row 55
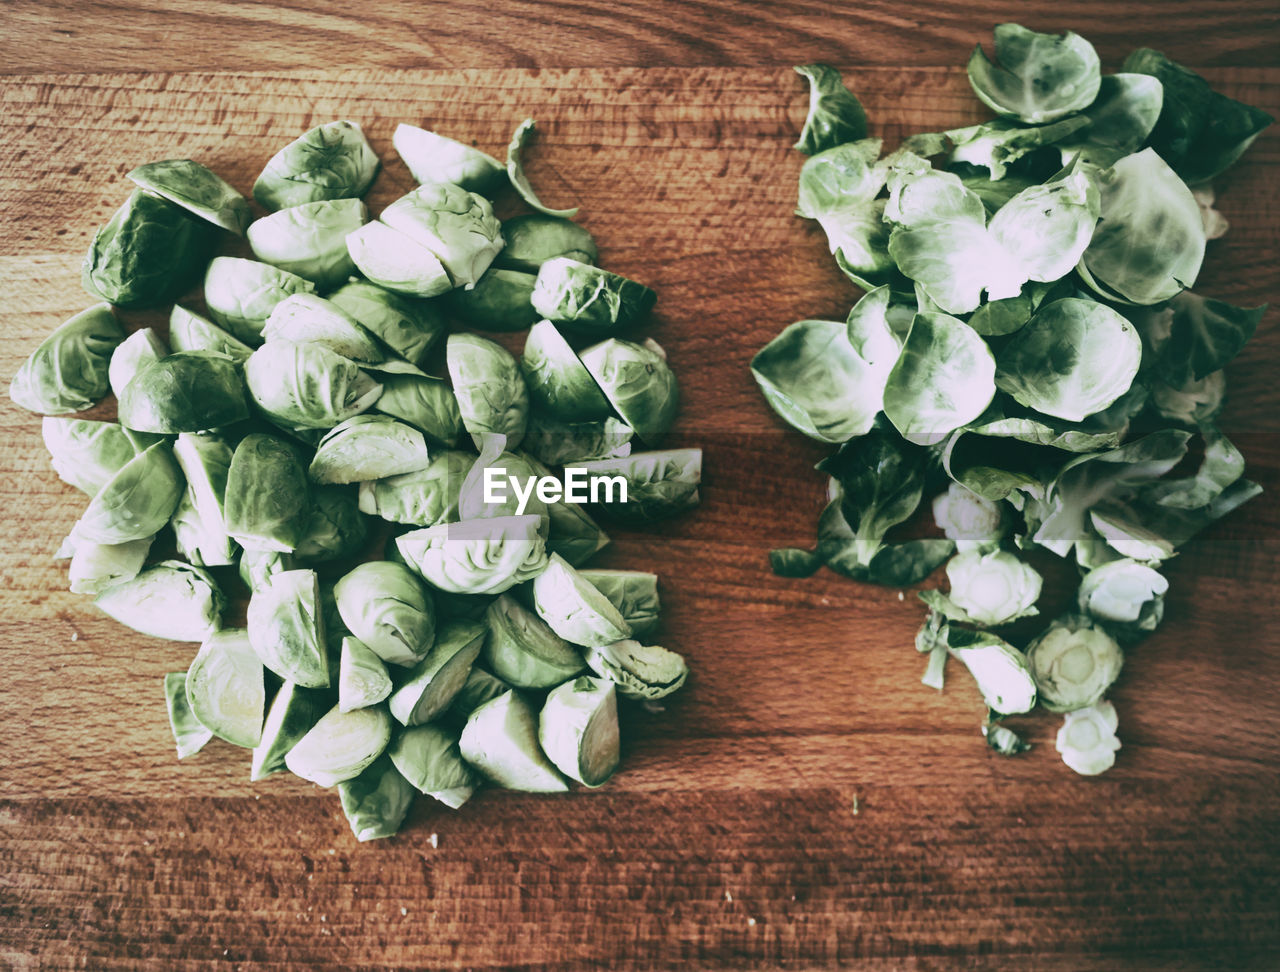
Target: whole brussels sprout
column 148, row 254
column 70, row 370
column 331, row 161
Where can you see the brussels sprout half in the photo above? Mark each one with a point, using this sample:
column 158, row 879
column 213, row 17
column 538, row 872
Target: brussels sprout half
column 69, row 371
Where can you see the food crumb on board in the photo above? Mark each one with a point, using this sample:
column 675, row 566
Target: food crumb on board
column 901, row 596
column 435, row 840
column 751, row 922
column 404, row 911
column 728, row 896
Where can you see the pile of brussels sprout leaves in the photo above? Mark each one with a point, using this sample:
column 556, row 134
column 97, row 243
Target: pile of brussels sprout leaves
column 271, row 436
column 1028, row 335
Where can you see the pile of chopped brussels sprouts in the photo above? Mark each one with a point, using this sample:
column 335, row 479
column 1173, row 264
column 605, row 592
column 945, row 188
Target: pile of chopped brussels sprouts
column 1028, row 337
column 290, row 428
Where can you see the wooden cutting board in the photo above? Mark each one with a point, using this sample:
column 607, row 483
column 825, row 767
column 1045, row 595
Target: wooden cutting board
column 805, row 802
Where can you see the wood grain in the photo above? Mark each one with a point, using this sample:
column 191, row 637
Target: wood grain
column 805, row 803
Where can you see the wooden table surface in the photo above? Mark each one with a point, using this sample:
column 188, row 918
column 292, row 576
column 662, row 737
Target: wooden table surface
column 805, row 803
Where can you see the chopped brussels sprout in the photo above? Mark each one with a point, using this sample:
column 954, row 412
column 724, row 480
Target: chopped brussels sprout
column 335, row 530
column 408, row 327
column 293, row 712
column 434, row 158
column 86, row 454
column 1004, row 741
column 498, row 302
column 197, row 190
column 557, row 380
column 1074, row 662
column 429, row 758
column 578, row 729
column 377, row 801
column 477, row 556
column 95, row 567
column 639, row 384
column 310, row 239
column 137, row 501
column 331, row 161
column 170, row 600
column 523, row 651
column 427, row 497
column 385, row 606
column 428, row 404
column 147, row 254
column 557, row 443
column 633, row 592
column 987, row 589
column 306, row 318
column 491, row 394
column 131, row 356
column 190, row 391
column 396, row 261
column 286, row 628
column 574, row 609
column 241, row 294
column 429, row 686
column 188, row 732
column 362, row 677
column 340, row 746
column 225, row 689
column 501, row 741
column 69, row 371
column 1087, row 739
column 659, row 484
column 585, row 298
column 1124, row 596
column 267, row 501
column 367, row 447
column 205, row 461
column 191, row 332
column 534, row 238
column 457, row 226
column 307, row 385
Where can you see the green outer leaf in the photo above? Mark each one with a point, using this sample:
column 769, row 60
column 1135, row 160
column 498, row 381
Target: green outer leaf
column 881, row 481
column 794, row 562
column 1120, row 119
column 944, row 378
column 1205, row 335
column 1039, row 77
column 515, row 172
column 835, row 115
column 1200, row 132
